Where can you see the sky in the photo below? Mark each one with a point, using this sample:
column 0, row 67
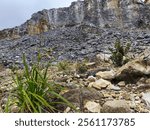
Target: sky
column 16, row 12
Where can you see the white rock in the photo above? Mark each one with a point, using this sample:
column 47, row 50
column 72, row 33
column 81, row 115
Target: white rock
column 91, row 79
column 146, row 99
column 101, row 83
column 93, row 107
column 121, row 84
column 90, row 85
column 103, row 57
column 108, row 75
column 116, row 88
column 67, row 110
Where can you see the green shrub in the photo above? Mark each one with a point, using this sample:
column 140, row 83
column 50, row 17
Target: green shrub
column 119, row 53
column 34, row 93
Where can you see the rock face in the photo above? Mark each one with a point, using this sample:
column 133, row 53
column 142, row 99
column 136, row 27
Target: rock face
column 100, row 13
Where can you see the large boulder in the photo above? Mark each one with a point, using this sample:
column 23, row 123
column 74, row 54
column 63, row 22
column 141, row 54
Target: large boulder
column 133, row 69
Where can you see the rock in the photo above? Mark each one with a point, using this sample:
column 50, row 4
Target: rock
column 143, row 87
column 90, row 65
column 116, row 88
column 101, row 83
column 93, row 107
column 116, row 106
column 108, row 75
column 121, row 84
column 103, row 57
column 148, row 81
column 79, row 96
column 14, row 109
column 146, row 99
column 133, row 69
column 68, row 109
column 91, row 79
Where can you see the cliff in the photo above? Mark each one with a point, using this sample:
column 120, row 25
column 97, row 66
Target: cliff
column 100, row 13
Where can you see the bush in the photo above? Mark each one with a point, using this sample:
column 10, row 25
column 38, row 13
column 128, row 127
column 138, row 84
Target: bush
column 34, row 93
column 119, row 53
column 81, row 67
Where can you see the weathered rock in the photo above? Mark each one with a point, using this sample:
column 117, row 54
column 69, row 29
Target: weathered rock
column 103, row 57
column 79, row 96
column 146, row 99
column 115, row 88
column 122, row 13
column 133, row 69
column 92, row 106
column 116, row 106
column 14, row 109
column 91, row 79
column 121, row 84
column 101, row 83
column 108, row 75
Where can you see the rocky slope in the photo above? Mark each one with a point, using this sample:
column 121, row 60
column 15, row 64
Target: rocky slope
column 85, row 30
column 101, row 13
column 101, row 88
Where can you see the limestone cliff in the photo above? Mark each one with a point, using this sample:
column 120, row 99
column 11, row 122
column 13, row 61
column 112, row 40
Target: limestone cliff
column 100, row 13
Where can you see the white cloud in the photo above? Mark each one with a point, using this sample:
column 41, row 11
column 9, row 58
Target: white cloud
column 16, row 12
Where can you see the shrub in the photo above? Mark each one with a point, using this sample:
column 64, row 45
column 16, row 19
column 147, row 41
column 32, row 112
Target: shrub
column 34, row 93
column 63, row 65
column 119, row 53
column 81, row 67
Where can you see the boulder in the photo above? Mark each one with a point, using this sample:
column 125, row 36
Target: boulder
column 80, row 95
column 108, row 75
column 133, row 70
column 116, row 106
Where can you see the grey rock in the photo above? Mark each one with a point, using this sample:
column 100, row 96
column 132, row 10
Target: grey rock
column 116, row 106
column 80, row 95
column 146, row 99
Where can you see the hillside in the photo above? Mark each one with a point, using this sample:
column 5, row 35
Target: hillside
column 76, row 41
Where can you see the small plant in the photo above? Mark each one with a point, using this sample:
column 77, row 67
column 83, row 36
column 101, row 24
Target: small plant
column 34, row 93
column 63, row 66
column 119, row 53
column 81, row 67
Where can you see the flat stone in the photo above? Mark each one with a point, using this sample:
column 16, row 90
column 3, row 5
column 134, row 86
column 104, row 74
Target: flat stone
column 115, row 88
column 116, row 106
column 80, row 95
column 93, row 107
column 101, row 83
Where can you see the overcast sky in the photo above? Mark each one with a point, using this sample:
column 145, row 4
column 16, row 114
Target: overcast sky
column 16, row 12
